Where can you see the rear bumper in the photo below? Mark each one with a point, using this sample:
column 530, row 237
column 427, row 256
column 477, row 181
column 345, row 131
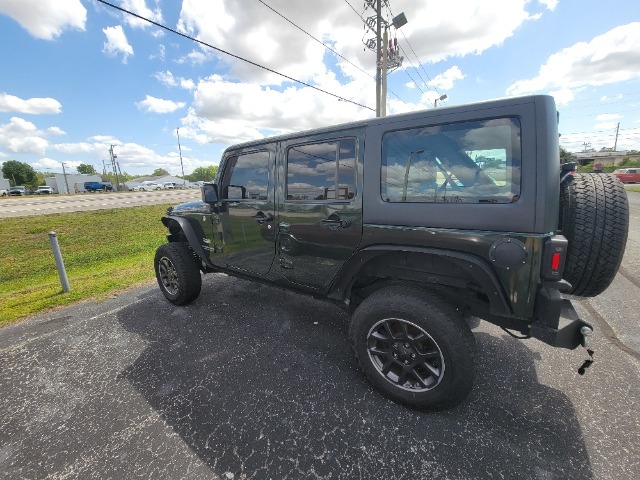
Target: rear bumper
column 558, row 323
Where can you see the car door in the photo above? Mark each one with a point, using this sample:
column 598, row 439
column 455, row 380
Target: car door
column 245, row 220
column 319, row 208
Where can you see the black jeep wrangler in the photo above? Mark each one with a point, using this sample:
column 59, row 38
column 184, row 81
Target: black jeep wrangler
column 415, row 223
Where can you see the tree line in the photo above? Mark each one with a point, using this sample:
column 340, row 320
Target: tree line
column 21, row 173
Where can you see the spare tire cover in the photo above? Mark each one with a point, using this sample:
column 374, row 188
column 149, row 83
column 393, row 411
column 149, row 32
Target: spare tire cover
column 594, row 217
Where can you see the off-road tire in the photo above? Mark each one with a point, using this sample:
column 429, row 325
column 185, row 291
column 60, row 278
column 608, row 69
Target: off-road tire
column 400, row 329
column 594, row 217
column 177, row 273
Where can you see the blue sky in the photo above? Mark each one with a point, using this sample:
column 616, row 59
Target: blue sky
column 77, row 76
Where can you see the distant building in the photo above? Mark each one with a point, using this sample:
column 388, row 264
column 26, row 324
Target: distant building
column 75, row 182
column 606, row 158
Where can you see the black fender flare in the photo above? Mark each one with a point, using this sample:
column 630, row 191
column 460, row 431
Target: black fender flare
column 192, row 237
column 476, row 267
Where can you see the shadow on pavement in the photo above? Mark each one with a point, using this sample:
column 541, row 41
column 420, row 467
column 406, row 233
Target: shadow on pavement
column 262, row 383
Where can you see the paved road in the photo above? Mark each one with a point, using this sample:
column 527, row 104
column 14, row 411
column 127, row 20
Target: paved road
column 47, row 204
column 250, row 382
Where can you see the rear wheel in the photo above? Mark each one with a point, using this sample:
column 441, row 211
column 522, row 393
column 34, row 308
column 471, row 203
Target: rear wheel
column 177, row 273
column 594, row 217
column 415, row 347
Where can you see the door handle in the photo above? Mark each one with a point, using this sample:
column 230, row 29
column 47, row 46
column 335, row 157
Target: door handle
column 260, row 217
column 334, row 222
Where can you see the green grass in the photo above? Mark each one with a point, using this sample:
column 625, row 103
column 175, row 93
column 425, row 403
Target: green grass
column 104, row 251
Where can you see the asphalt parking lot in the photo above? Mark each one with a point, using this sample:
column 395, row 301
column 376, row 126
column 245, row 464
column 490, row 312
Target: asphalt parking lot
column 251, row 382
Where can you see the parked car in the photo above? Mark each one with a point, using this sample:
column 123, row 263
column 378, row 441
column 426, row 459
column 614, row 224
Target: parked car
column 4, row 192
column 148, row 186
column 98, row 187
column 410, row 234
column 44, row 190
column 628, row 175
column 19, row 190
column 168, row 185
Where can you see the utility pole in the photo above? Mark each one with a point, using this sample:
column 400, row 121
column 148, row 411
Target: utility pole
column 615, row 145
column 378, row 58
column 184, row 182
column 113, row 165
column 387, row 59
column 64, row 172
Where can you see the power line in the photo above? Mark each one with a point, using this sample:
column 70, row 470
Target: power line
column 164, row 27
column 314, row 38
column 426, row 84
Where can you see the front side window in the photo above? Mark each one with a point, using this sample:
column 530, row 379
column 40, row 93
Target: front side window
column 247, row 177
column 470, row 162
column 323, row 171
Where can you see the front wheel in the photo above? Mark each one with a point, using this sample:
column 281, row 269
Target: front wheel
column 414, row 347
column 177, row 273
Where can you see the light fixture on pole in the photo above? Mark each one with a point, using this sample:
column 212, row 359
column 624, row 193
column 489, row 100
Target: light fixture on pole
column 390, row 59
column 442, row 97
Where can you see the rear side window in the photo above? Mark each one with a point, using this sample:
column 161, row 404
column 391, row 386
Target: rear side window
column 322, row 172
column 470, row 162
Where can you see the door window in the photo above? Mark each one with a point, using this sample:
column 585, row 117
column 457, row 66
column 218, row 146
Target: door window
column 322, row 172
column 247, row 177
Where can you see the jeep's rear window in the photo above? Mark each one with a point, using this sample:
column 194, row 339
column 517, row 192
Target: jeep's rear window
column 323, row 171
column 470, row 162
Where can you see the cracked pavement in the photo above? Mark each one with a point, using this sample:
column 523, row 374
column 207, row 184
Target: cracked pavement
column 252, row 382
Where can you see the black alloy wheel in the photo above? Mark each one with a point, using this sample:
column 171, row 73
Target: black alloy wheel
column 414, row 346
column 177, row 273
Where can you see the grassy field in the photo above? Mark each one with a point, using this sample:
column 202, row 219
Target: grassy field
column 104, row 251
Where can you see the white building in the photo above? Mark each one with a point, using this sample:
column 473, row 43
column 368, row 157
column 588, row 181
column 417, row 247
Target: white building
column 70, row 183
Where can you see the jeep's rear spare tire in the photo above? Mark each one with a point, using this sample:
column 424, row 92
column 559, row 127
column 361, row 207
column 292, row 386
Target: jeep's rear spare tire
column 414, row 347
column 177, row 273
column 594, row 217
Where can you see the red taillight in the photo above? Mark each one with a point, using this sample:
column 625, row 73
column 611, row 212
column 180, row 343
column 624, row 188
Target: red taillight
column 555, row 255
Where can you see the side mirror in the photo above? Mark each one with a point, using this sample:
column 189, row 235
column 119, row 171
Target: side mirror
column 210, row 193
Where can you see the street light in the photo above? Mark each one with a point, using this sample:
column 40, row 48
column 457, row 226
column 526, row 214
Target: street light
column 442, row 97
column 406, row 173
column 184, row 182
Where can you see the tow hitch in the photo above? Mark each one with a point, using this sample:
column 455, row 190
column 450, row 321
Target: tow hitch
column 586, row 332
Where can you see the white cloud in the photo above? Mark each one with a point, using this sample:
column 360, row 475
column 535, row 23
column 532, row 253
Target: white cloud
column 228, row 112
column 46, row 20
column 140, row 7
column 609, row 58
column 36, row 106
column 550, row 4
column 446, row 80
column 159, row 105
column 50, row 165
column 168, row 79
column 117, row 42
column 22, row 136
column 607, row 121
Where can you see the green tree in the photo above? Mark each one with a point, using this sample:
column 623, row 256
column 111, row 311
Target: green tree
column 20, row 173
column 160, row 172
column 86, row 169
column 566, row 156
column 205, row 174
